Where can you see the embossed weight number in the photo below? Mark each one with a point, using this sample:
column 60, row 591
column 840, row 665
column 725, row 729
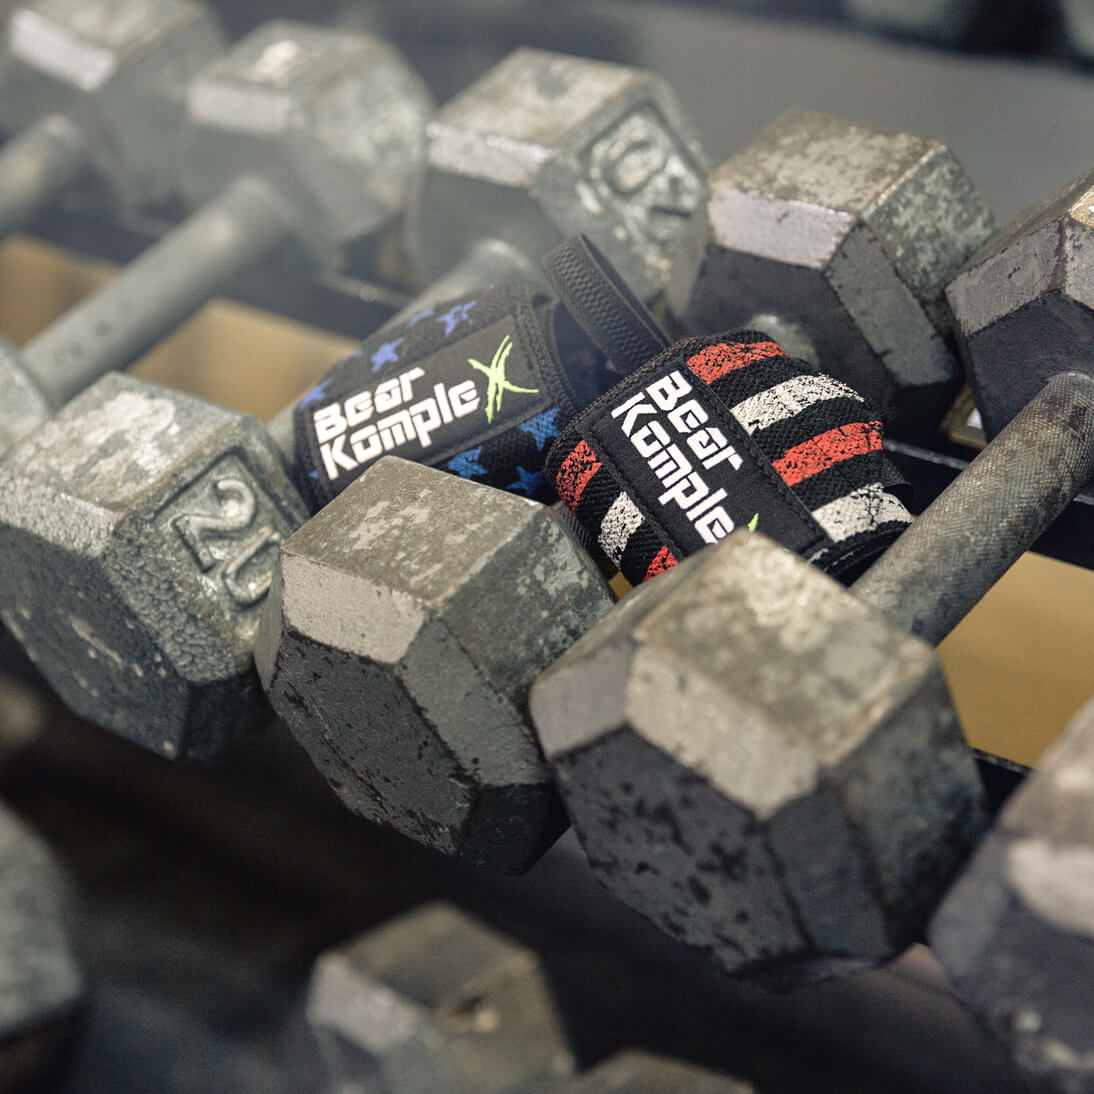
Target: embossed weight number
column 201, row 531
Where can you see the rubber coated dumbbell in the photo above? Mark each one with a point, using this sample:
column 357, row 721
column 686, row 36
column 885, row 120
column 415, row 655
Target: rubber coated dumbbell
column 768, row 766
column 838, row 238
column 95, row 90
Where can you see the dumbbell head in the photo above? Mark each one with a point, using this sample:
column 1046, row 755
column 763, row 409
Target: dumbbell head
column 139, row 531
column 403, row 628
column 846, row 234
column 334, row 121
column 40, row 983
column 546, row 145
column 1025, row 303
column 761, row 764
column 1016, row 933
column 22, row 405
column 117, row 70
column 634, row 1072
column 436, row 1001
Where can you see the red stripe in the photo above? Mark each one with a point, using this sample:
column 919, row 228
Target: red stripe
column 827, row 449
column 714, row 361
column 664, row 560
column 574, row 474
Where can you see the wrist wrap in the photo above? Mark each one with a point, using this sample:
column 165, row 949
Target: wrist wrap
column 722, row 432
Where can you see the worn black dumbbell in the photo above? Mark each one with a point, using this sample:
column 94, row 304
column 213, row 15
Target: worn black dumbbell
column 139, row 605
column 92, row 95
column 416, row 709
column 436, row 1001
column 41, row 985
column 297, row 136
column 543, row 146
column 838, row 238
column 1015, row 935
column 767, row 765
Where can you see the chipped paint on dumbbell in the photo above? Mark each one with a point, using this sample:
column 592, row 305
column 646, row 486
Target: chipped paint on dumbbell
column 41, row 986
column 699, row 735
column 419, row 720
column 848, row 233
column 96, row 84
column 140, row 528
column 1024, row 304
column 435, row 1002
column 769, row 767
column 164, row 658
column 1016, row 933
column 544, row 146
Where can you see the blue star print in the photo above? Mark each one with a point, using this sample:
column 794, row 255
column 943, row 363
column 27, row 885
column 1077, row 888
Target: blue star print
column 318, row 392
column 386, row 354
column 456, row 315
column 542, row 427
column 466, row 464
column 528, row 482
column 417, row 317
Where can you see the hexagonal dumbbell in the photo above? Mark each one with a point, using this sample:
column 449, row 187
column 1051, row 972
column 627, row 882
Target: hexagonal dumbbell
column 88, row 607
column 41, row 986
column 416, row 711
column 837, row 238
column 767, row 766
column 95, row 86
column 543, row 146
column 635, row 1072
column 139, row 529
column 436, row 1002
column 298, row 135
column 414, row 706
column 1016, row 933
column 1024, row 303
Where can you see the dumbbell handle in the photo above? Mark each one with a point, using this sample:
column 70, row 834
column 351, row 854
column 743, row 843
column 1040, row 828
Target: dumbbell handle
column 489, row 262
column 977, row 528
column 157, row 291
column 36, row 167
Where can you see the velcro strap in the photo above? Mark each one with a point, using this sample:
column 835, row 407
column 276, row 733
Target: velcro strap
column 472, row 387
column 601, row 302
column 722, row 432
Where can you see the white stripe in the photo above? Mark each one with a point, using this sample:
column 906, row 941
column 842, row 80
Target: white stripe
column 787, row 399
column 860, row 511
column 616, row 527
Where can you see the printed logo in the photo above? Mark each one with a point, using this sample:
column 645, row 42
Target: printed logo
column 496, row 383
column 660, row 415
column 694, row 469
column 428, row 410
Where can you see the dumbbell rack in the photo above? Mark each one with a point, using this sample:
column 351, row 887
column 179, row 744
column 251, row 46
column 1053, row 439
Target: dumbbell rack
column 205, row 895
